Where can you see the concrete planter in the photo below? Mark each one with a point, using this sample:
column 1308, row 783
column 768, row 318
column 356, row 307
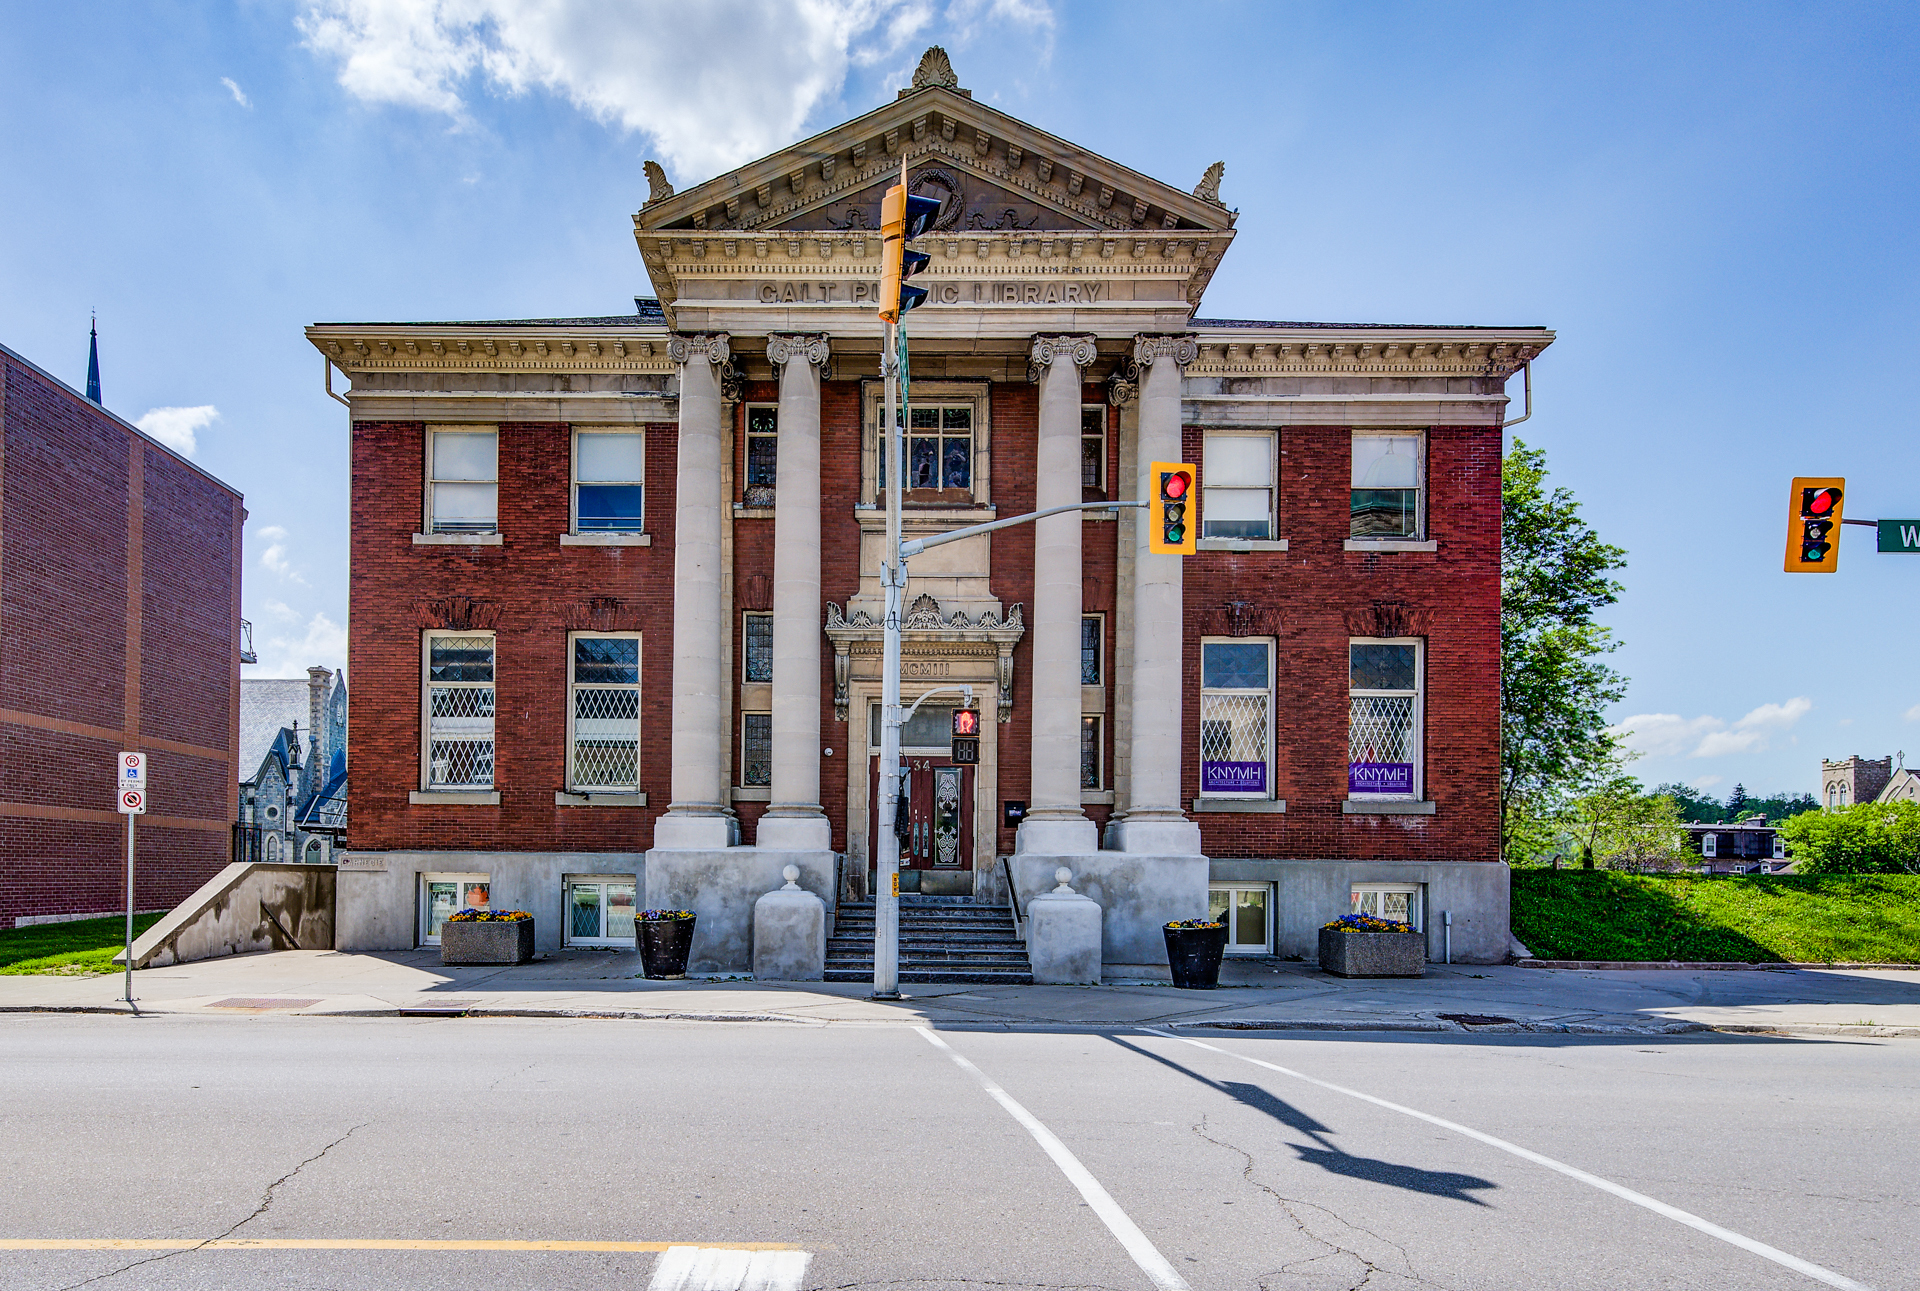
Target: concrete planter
column 494, row 942
column 1373, row 954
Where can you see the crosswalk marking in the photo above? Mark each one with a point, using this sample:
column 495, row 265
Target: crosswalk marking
column 707, row 1268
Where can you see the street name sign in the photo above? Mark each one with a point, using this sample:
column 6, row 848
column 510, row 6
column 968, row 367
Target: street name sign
column 1900, row 535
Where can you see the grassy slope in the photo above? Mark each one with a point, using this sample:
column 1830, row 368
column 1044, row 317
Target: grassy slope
column 81, row 947
column 1574, row 914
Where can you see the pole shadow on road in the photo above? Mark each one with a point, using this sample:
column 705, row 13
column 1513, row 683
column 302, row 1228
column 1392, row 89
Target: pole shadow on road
column 1328, row 1155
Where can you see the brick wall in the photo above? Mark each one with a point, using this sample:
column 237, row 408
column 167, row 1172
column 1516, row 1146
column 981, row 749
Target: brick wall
column 87, row 670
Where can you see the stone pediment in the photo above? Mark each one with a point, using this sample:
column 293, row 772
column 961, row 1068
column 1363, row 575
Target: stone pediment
column 1007, row 190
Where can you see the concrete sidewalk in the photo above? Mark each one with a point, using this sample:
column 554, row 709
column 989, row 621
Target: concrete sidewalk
column 1255, row 994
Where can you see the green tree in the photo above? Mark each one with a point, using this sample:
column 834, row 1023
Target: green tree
column 1617, row 825
column 1866, row 838
column 1737, row 802
column 1691, row 803
column 1555, row 574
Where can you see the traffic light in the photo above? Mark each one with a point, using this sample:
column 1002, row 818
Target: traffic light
column 1813, row 524
column 1173, row 513
column 903, row 217
column 966, row 737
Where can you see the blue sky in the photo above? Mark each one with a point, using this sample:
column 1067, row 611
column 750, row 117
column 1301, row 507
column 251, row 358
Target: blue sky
column 1711, row 205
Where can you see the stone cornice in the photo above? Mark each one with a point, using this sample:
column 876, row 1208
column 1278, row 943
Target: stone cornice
column 1464, row 351
column 506, row 347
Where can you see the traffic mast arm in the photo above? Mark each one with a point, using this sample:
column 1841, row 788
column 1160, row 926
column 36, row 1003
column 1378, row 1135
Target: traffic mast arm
column 914, row 546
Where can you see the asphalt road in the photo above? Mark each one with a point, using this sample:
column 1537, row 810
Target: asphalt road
column 867, row 1156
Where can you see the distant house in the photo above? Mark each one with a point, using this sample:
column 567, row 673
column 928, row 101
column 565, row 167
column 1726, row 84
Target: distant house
column 1903, row 786
column 293, row 805
column 1745, row 846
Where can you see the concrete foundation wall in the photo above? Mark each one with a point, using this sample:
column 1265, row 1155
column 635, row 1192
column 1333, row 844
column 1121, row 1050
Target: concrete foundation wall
column 1137, row 894
column 244, row 908
column 379, row 892
column 1309, row 893
column 721, row 886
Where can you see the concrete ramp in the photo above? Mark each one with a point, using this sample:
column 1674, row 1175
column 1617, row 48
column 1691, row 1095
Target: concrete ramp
column 244, row 908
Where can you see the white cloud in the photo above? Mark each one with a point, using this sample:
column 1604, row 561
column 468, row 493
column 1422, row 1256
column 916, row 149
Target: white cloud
column 1913, row 714
column 176, row 427
column 274, row 558
column 239, row 95
column 290, row 651
column 1708, row 781
column 1670, row 735
column 668, row 70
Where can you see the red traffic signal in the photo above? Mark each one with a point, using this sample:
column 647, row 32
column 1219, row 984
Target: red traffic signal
column 1172, row 529
column 1813, row 525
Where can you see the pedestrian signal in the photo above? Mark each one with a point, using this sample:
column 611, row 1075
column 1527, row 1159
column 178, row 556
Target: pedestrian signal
column 1813, row 524
column 1173, row 514
column 903, row 217
column 966, row 737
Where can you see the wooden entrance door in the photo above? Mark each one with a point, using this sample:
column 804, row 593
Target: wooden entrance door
column 938, row 833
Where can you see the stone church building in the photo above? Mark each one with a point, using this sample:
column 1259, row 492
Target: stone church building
column 616, row 601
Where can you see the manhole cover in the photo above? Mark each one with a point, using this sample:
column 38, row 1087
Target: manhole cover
column 1476, row 1019
column 261, row 1002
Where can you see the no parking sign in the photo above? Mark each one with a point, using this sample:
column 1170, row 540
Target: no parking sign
column 130, row 783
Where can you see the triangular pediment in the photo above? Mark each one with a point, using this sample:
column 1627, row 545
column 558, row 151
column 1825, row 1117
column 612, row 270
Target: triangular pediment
column 980, row 161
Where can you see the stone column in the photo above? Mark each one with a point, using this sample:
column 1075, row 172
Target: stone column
column 793, row 819
column 1055, row 824
column 1155, row 822
column 695, row 817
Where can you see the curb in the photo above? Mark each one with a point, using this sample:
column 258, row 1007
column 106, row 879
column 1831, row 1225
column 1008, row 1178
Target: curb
column 1499, row 1028
column 1706, row 965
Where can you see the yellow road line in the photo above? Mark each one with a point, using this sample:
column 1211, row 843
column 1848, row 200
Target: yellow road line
column 346, row 1244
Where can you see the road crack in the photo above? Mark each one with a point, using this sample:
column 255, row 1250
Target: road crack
column 266, row 1202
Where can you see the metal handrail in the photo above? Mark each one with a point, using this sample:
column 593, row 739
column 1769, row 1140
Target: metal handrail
column 1013, row 893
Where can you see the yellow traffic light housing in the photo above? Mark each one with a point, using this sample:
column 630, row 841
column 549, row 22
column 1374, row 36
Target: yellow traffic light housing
column 1813, row 524
column 903, row 217
column 1173, row 513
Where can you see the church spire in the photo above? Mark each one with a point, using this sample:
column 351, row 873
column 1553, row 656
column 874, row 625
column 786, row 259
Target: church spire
column 93, row 360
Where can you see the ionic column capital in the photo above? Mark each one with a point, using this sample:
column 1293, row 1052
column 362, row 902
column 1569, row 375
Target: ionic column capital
column 783, row 347
column 1050, row 347
column 713, row 347
column 1179, row 347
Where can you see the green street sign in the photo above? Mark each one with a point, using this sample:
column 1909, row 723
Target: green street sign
column 1900, row 535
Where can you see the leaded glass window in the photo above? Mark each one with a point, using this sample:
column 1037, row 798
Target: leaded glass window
column 1090, row 750
column 606, row 713
column 756, row 749
column 1383, row 718
column 460, row 711
column 1093, row 447
column 939, row 447
column 1387, row 474
column 759, row 661
column 763, row 450
column 609, row 474
column 1236, row 702
column 1090, row 672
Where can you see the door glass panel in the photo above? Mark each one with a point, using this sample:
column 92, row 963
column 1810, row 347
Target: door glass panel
column 620, row 909
column 1217, row 904
column 583, row 911
column 1250, row 919
column 440, row 903
column 474, row 894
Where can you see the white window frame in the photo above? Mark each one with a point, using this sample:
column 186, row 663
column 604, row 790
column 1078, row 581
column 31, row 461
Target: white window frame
column 1710, row 845
column 573, row 474
column 427, row 783
column 1265, row 946
column 1100, row 485
column 1272, row 440
column 423, row 897
column 1267, row 793
column 744, row 715
column 574, row 687
column 1418, row 737
column 602, row 881
column 926, row 394
column 433, row 436
column 1416, row 900
column 1419, row 533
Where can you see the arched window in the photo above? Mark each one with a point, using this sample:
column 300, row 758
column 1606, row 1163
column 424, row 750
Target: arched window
column 316, row 852
column 1843, row 795
column 273, row 849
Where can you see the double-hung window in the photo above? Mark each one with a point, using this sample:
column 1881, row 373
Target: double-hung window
column 463, row 480
column 1093, row 448
column 609, row 481
column 1384, row 717
column 763, row 454
column 1236, row 717
column 1236, row 481
column 604, row 748
column 460, row 752
column 1389, row 475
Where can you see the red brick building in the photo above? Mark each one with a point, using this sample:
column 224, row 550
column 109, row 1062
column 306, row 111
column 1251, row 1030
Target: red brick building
column 119, row 629
column 616, row 598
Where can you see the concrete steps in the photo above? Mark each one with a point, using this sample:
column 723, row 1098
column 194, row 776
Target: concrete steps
column 942, row 939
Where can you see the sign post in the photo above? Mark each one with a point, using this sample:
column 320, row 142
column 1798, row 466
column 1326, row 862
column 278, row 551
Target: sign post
column 130, row 787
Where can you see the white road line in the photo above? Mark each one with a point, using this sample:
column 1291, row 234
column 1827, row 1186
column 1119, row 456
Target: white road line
column 1144, row 1253
column 708, row 1268
column 1674, row 1213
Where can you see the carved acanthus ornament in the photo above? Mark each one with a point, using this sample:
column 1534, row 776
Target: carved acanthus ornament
column 935, row 70
column 658, row 189
column 1178, row 348
column 810, row 346
column 1123, row 386
column 712, row 347
column 1208, row 189
column 928, row 631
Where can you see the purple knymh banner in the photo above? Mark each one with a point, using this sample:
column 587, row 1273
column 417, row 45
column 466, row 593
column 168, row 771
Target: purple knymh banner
column 1380, row 777
column 1233, row 777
